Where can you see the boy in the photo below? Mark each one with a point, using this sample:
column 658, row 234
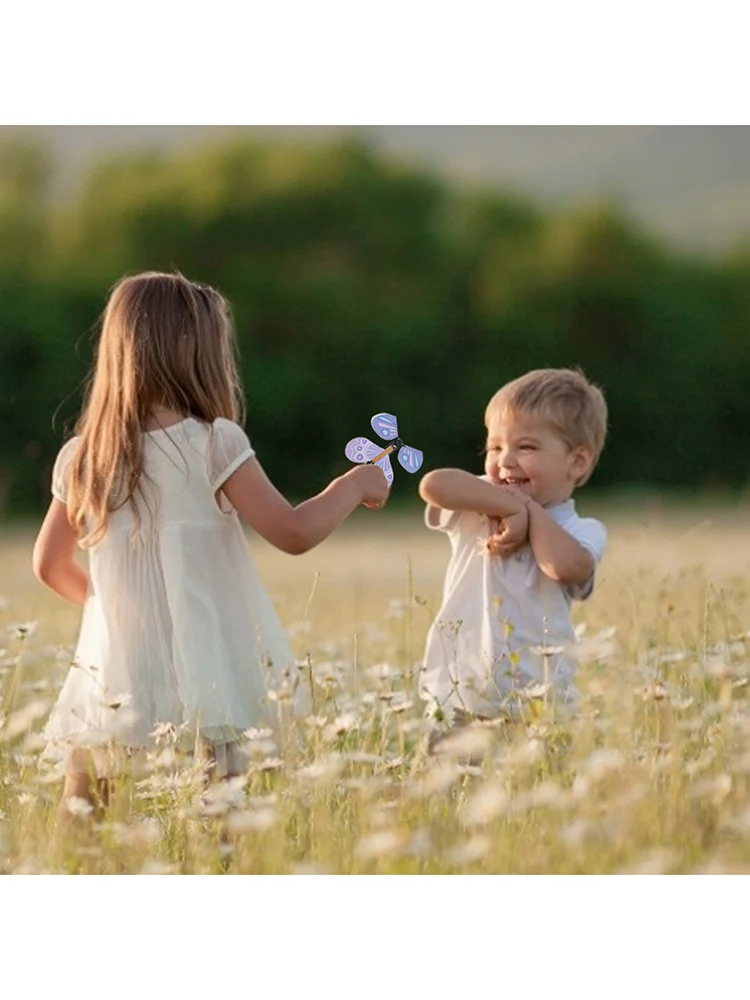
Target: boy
column 520, row 553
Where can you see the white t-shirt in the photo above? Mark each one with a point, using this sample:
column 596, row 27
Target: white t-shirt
column 177, row 627
column 497, row 614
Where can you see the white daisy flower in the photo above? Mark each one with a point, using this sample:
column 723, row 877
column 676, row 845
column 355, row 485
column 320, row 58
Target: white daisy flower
column 488, row 802
column 382, row 843
column 21, row 630
column 77, row 806
column 251, row 821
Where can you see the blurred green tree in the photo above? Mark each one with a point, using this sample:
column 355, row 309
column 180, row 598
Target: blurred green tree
column 359, row 284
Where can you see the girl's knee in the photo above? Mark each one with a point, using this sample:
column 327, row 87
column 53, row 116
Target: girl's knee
column 77, row 786
column 80, row 762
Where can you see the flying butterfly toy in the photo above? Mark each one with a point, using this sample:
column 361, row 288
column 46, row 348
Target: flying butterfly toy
column 364, row 452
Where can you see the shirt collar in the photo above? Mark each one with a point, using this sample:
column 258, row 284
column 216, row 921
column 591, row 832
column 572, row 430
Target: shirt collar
column 561, row 512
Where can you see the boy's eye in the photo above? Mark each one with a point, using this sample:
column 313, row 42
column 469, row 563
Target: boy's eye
column 528, row 447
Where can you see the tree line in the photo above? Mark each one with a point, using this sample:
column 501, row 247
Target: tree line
column 360, row 285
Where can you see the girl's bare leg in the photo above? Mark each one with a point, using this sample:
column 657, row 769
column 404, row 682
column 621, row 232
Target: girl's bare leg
column 82, row 786
column 76, row 809
column 78, row 778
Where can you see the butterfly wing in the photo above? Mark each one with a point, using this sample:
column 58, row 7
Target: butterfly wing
column 385, row 425
column 385, row 465
column 410, row 458
column 362, row 450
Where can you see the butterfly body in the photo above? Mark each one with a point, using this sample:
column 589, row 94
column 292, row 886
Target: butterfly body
column 366, row 452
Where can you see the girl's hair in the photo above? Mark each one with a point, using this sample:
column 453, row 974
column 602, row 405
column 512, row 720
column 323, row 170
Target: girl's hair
column 165, row 341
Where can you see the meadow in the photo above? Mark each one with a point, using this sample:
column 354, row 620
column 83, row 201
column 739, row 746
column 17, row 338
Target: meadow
column 652, row 776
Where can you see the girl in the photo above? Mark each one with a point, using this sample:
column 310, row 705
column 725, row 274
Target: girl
column 177, row 627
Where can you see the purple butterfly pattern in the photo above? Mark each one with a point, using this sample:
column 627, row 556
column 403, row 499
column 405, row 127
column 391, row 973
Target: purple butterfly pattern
column 363, row 451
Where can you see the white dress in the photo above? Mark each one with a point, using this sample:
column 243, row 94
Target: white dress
column 177, row 627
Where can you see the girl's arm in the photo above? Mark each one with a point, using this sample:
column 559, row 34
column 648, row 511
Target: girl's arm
column 298, row 529
column 53, row 560
column 454, row 489
column 559, row 556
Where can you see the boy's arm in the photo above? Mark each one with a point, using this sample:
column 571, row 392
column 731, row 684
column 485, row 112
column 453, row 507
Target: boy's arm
column 559, row 556
column 508, row 534
column 454, row 489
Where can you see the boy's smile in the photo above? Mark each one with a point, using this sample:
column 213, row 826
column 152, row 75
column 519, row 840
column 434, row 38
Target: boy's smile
column 526, row 452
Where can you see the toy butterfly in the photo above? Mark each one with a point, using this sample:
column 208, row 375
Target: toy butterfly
column 364, row 452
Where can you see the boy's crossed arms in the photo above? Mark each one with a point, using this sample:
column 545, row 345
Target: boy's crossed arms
column 515, row 520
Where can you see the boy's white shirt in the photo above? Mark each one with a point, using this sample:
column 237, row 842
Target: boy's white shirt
column 496, row 606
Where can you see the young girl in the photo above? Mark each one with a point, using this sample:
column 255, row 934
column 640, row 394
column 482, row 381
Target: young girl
column 177, row 627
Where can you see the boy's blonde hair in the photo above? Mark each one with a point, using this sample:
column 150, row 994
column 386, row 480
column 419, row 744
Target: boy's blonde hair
column 562, row 398
column 165, row 341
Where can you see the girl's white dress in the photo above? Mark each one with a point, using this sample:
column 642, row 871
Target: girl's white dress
column 177, row 627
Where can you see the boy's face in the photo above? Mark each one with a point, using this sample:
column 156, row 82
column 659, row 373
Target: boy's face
column 525, row 452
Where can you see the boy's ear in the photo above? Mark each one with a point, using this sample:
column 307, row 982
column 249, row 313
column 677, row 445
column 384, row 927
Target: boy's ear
column 581, row 459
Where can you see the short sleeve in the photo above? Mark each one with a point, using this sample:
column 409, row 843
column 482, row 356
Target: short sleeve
column 592, row 535
column 439, row 519
column 228, row 448
column 61, row 470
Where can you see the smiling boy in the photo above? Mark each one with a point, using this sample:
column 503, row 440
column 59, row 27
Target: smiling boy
column 519, row 552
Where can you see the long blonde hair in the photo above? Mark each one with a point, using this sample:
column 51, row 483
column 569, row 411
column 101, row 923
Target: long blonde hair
column 165, row 341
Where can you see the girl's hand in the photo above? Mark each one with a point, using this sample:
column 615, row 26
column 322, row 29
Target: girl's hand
column 371, row 480
column 508, row 534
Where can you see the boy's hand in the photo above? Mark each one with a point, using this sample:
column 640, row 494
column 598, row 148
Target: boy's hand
column 508, row 534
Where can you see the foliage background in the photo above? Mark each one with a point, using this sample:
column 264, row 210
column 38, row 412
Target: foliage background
column 359, row 284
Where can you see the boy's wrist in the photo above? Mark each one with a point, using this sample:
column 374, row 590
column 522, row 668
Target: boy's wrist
column 532, row 508
column 523, row 500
